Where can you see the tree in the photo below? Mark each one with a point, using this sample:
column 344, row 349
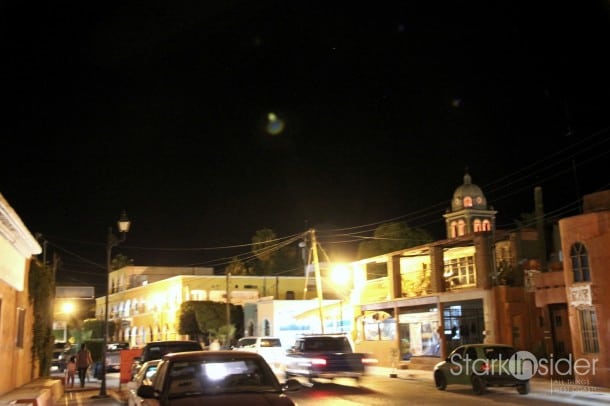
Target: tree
column 263, row 247
column 41, row 281
column 236, row 267
column 94, row 328
column 204, row 319
column 120, row 261
column 393, row 236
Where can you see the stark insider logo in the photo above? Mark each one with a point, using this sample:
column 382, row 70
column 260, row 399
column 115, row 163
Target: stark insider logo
column 524, row 365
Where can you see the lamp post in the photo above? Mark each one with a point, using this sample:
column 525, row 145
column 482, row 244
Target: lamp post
column 123, row 226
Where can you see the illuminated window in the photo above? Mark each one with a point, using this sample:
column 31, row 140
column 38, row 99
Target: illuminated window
column 461, row 227
column 477, row 226
column 468, row 201
column 580, row 263
column 460, row 272
column 486, row 225
column 454, row 229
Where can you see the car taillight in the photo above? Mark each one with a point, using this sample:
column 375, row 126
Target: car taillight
column 369, row 361
column 318, row 361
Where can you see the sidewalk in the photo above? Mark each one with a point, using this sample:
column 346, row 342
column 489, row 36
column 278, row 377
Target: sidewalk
column 89, row 396
column 77, row 396
column 560, row 391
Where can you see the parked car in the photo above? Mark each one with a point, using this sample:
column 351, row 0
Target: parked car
column 481, row 366
column 157, row 349
column 215, row 378
column 113, row 356
column 59, row 360
column 143, row 377
column 270, row 348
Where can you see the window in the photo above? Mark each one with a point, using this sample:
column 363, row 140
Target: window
column 460, row 271
column 376, row 270
column 461, row 227
column 580, row 263
column 588, row 331
column 468, row 201
column 454, row 229
column 20, row 327
column 486, row 225
column 477, row 226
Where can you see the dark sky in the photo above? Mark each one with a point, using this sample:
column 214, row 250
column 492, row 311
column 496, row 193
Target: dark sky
column 161, row 109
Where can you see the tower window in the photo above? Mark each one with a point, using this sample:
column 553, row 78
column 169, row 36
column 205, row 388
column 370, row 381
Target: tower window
column 468, row 201
column 477, row 226
column 461, row 227
column 580, row 263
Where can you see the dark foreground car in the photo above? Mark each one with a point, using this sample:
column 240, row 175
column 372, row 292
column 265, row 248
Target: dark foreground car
column 157, row 349
column 215, row 378
column 482, row 366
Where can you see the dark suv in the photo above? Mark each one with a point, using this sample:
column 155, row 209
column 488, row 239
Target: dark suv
column 157, row 349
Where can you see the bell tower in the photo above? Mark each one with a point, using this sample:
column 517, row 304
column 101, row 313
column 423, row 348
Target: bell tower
column 469, row 212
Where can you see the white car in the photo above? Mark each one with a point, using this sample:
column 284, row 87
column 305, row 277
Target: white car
column 270, row 348
column 143, row 377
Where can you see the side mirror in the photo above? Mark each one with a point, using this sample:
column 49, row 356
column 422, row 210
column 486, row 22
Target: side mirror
column 291, row 385
column 146, row 392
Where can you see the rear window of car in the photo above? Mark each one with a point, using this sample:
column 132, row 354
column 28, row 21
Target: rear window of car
column 159, row 350
column 498, row 352
column 246, row 342
column 337, row 344
column 271, row 342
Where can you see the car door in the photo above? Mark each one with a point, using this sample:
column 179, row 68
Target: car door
column 456, row 367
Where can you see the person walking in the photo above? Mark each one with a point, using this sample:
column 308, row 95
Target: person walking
column 83, row 362
column 71, row 371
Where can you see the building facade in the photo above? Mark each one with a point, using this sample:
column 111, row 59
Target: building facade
column 420, row 303
column 585, row 243
column 17, row 247
column 144, row 301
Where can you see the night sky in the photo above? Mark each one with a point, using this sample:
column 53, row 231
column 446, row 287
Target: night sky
column 163, row 110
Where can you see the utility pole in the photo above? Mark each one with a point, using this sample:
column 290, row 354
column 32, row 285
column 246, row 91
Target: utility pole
column 228, row 308
column 316, row 267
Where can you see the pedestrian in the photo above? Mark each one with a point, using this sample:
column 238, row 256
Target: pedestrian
column 83, row 361
column 71, row 371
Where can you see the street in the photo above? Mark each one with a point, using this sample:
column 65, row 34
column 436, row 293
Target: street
column 377, row 389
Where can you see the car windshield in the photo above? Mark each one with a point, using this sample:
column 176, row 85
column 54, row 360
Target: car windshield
column 213, row 376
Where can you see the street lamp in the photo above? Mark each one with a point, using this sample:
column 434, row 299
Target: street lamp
column 123, row 226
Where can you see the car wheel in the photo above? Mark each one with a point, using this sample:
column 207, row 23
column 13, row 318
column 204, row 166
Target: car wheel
column 479, row 386
column 440, row 381
column 524, row 388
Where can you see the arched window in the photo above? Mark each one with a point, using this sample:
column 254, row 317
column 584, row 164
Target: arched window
column 486, row 225
column 468, row 201
column 580, row 263
column 461, row 227
column 477, row 226
column 454, row 229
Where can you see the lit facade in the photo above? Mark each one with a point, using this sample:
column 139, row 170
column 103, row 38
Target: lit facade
column 144, row 301
column 585, row 242
column 17, row 247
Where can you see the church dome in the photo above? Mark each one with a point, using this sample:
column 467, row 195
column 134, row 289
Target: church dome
column 468, row 196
